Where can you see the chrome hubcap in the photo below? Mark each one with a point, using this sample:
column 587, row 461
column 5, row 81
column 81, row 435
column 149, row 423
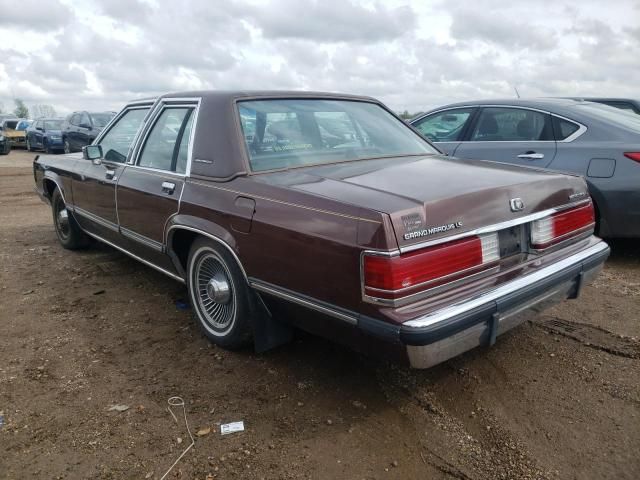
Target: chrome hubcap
column 218, row 289
column 215, row 291
column 63, row 221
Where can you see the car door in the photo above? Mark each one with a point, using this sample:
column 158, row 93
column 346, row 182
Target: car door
column 517, row 135
column 84, row 129
column 445, row 128
column 35, row 134
column 94, row 190
column 149, row 190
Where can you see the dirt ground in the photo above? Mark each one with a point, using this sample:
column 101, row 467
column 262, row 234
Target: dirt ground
column 83, row 332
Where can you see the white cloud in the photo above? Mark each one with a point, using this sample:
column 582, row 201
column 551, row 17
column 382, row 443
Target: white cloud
column 413, row 55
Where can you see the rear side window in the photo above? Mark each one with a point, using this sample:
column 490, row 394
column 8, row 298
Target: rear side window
column 563, row 128
column 164, row 148
column 446, row 126
column 497, row 124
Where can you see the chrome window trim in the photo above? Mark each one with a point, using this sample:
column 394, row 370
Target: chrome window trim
column 189, row 102
column 309, row 303
column 581, row 128
column 136, row 257
column 117, row 117
column 504, row 290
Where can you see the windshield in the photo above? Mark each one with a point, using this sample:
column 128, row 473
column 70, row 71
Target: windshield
column 614, row 115
column 101, row 119
column 11, row 124
column 292, row 133
column 53, row 124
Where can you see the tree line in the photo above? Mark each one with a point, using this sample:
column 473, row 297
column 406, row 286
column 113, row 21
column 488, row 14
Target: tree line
column 37, row 111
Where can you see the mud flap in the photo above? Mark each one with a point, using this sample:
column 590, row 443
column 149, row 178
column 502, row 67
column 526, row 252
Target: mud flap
column 268, row 333
column 493, row 329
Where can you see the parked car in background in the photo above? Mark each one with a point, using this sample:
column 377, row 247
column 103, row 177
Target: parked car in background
column 326, row 212
column 81, row 128
column 5, row 141
column 45, row 134
column 11, row 134
column 599, row 142
column 627, row 104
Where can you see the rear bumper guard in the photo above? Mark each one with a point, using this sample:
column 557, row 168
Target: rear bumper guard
column 440, row 335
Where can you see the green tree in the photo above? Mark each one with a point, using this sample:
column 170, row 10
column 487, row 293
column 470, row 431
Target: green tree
column 21, row 110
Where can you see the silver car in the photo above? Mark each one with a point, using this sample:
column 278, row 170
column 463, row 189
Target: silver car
column 596, row 141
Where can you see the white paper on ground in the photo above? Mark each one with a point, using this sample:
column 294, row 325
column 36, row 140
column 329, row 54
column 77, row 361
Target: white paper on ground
column 232, row 427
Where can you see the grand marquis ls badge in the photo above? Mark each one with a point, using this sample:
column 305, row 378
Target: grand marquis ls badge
column 516, row 204
column 431, row 230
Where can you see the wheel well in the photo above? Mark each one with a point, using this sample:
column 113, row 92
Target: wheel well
column 49, row 187
column 181, row 242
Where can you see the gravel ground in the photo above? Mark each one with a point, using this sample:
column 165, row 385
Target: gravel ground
column 84, row 332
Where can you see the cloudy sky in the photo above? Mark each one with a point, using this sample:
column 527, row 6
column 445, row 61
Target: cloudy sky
column 97, row 54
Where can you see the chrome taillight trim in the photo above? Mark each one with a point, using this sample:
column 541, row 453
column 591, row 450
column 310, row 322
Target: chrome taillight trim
column 477, row 232
column 492, row 228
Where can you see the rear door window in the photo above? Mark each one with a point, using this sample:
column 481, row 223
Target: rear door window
column 447, row 126
column 498, row 124
column 164, row 148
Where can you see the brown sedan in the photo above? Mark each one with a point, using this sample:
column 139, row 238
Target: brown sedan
column 328, row 213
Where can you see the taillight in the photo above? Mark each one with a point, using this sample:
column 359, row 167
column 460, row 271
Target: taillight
column 562, row 225
column 399, row 276
column 633, row 155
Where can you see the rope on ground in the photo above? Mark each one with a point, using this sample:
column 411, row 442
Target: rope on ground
column 179, row 402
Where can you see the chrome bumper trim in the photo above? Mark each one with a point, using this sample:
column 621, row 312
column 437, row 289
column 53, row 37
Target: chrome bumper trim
column 511, row 287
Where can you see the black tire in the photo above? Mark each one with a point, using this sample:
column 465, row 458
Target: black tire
column 68, row 231
column 223, row 317
column 45, row 146
column 67, row 146
column 29, row 149
column 5, row 150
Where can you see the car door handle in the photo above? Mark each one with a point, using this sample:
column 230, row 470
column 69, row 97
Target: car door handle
column 168, row 187
column 110, row 174
column 531, row 155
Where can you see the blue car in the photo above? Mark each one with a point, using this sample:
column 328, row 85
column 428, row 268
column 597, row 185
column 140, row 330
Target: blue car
column 45, row 134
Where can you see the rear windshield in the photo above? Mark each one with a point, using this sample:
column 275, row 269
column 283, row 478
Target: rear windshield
column 614, row 115
column 101, row 119
column 292, row 133
column 53, row 124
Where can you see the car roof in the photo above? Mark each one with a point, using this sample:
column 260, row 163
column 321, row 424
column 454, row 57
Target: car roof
column 240, row 94
column 542, row 103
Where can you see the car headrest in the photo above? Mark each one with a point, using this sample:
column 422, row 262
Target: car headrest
column 488, row 126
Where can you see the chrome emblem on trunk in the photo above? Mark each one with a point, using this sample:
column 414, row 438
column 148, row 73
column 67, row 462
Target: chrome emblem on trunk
column 516, row 204
column 431, row 230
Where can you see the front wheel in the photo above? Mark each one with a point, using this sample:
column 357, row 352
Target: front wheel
column 67, row 146
column 69, row 233
column 29, row 147
column 219, row 294
column 45, row 146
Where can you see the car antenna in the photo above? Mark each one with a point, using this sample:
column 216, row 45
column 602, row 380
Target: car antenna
column 517, row 93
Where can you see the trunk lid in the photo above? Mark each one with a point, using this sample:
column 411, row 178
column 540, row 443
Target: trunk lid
column 437, row 196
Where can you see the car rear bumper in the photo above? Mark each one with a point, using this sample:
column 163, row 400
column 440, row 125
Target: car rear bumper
column 443, row 334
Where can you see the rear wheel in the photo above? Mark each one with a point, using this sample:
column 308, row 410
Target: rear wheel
column 69, row 233
column 219, row 294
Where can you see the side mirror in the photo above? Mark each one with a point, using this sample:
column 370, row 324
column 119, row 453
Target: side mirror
column 40, row 129
column 93, row 153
